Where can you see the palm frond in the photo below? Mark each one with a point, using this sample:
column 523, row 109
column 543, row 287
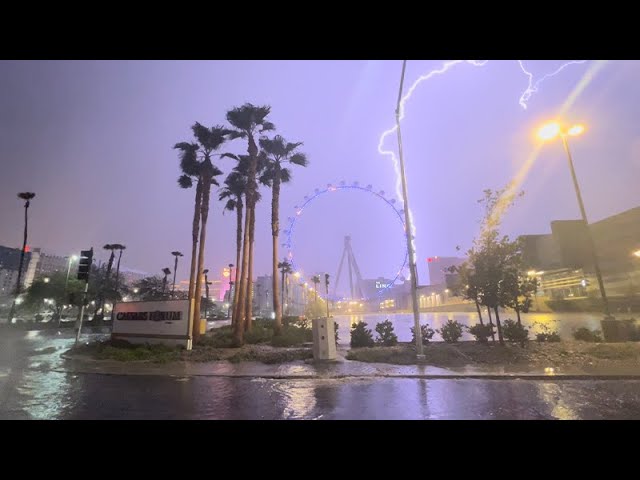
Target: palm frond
column 26, row 195
column 285, row 175
column 299, row 159
column 185, row 181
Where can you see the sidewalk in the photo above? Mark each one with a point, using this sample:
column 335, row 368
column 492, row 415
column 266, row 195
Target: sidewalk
column 340, row 369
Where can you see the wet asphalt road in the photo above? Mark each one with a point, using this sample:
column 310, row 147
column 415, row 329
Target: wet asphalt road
column 30, row 390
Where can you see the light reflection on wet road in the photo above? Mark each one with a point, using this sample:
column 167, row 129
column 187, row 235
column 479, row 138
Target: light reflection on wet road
column 29, row 390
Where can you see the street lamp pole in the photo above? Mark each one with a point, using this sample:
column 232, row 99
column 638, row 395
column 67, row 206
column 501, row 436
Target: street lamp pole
column 230, row 289
column 592, row 247
column 409, row 228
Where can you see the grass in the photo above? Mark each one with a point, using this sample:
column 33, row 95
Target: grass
column 620, row 351
column 126, row 352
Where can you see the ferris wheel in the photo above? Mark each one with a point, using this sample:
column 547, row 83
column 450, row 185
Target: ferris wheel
column 344, row 188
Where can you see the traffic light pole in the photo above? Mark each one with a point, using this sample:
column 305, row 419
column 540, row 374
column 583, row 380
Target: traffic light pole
column 84, row 302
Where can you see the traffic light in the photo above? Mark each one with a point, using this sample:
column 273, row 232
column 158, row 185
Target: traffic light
column 86, row 257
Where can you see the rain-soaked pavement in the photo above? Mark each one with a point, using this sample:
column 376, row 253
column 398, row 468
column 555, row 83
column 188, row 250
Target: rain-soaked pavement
column 33, row 385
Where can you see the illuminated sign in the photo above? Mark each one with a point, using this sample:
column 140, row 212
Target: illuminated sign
column 381, row 285
column 164, row 322
column 226, row 272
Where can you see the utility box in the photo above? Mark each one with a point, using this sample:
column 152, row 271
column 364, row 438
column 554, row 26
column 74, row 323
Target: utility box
column 324, row 339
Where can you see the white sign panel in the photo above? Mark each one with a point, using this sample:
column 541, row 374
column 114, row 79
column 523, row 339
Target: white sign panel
column 164, row 322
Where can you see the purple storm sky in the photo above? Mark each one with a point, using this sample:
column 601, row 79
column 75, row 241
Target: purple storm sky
column 94, row 140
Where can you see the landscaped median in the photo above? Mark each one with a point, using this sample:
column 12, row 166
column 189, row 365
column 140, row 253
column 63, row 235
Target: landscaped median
column 535, row 355
column 261, row 346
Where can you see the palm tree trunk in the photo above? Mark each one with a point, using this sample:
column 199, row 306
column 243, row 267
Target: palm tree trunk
column 118, row 274
column 103, row 288
column 479, row 312
column 24, row 246
column 493, row 335
column 194, row 238
column 500, row 339
column 249, row 295
column 282, row 302
column 238, row 328
column 204, row 215
column 175, row 271
column 238, row 253
column 275, row 228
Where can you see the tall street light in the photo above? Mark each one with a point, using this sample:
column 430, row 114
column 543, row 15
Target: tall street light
column 551, row 131
column 409, row 228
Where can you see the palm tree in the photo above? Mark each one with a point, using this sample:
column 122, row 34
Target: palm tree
column 233, row 191
column 176, row 254
column 278, row 152
column 106, row 283
column 195, row 161
column 120, row 247
column 27, row 197
column 316, row 281
column 248, row 121
column 167, row 272
column 285, row 268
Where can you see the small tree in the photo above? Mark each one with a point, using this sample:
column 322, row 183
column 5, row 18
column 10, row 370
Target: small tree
column 515, row 332
column 451, row 331
column 481, row 332
column 361, row 336
column 427, row 334
column 386, row 335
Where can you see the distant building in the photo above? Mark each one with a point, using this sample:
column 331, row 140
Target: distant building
column 372, row 288
column 263, row 296
column 50, row 264
column 438, row 268
column 131, row 276
column 9, row 264
column 563, row 262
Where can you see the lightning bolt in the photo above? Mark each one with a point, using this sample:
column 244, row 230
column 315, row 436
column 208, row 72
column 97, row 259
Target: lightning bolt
column 524, row 98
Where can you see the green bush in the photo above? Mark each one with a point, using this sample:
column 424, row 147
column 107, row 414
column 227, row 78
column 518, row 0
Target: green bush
column 586, row 335
column 514, row 332
column 361, row 336
column 291, row 336
column 548, row 337
column 386, row 336
column 427, row 334
column 218, row 338
column 451, row 331
column 258, row 334
column 481, row 332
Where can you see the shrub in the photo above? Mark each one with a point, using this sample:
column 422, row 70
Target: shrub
column 451, row 331
column 335, row 329
column 427, row 334
column 220, row 338
column 386, row 336
column 258, row 334
column 481, row 332
column 291, row 336
column 586, row 335
column 548, row 337
column 514, row 332
column 361, row 336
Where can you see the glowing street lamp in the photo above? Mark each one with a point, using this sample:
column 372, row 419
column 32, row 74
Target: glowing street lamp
column 549, row 132
column 636, row 253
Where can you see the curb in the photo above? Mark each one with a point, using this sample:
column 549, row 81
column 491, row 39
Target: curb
column 453, row 376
